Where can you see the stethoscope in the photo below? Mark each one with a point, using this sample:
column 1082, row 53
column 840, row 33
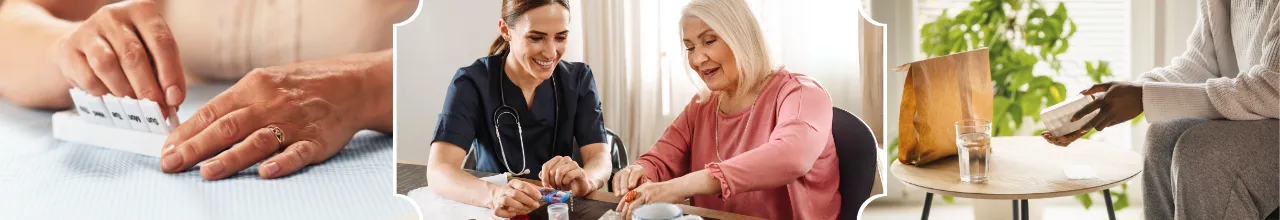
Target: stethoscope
column 499, row 112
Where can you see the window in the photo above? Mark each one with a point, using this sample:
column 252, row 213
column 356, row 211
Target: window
column 1103, row 33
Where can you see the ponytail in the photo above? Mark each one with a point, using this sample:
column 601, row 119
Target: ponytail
column 499, row 46
column 511, row 11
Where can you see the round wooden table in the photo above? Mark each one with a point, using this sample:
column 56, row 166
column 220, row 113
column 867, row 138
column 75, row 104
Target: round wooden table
column 1027, row 167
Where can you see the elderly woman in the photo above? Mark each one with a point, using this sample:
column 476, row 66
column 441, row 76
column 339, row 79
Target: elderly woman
column 756, row 141
column 314, row 73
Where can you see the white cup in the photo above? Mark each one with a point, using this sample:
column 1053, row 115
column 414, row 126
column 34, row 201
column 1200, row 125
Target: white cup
column 660, row 211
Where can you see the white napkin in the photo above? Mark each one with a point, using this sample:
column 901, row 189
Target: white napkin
column 1079, row 172
column 435, row 206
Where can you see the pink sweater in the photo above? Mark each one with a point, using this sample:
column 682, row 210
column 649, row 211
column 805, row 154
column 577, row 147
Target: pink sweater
column 782, row 165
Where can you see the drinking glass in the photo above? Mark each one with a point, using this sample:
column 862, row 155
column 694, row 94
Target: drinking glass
column 973, row 145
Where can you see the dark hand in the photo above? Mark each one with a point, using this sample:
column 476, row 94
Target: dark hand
column 1122, row 102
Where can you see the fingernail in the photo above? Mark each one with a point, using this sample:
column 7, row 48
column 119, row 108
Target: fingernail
column 167, row 150
column 270, row 168
column 214, row 167
column 173, row 95
column 171, row 162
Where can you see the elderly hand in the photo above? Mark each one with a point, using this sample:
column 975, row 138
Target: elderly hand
column 125, row 49
column 316, row 107
column 668, row 192
column 629, row 178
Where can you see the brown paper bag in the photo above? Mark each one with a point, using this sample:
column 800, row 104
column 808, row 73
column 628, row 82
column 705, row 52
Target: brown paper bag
column 939, row 92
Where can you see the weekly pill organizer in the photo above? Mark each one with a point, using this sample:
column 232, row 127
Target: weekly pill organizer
column 125, row 124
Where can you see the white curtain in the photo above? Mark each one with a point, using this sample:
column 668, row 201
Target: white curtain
column 635, row 49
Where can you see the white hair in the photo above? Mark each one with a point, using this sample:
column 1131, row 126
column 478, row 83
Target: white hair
column 737, row 26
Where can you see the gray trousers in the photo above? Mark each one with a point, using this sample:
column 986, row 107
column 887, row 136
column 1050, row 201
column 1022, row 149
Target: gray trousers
column 1211, row 169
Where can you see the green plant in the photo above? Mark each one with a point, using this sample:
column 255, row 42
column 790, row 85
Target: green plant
column 1019, row 35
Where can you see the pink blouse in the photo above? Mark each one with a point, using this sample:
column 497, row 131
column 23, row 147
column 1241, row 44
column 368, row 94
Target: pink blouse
column 779, row 162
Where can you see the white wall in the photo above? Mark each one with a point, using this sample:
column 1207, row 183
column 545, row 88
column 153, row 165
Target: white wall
column 445, row 35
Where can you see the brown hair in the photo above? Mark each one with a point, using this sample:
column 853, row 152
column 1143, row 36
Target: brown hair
column 511, row 11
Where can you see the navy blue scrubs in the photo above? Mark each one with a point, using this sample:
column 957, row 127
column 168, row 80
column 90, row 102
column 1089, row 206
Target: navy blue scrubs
column 472, row 98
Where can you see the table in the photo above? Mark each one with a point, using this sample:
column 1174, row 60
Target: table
column 413, row 176
column 1027, row 167
column 44, row 178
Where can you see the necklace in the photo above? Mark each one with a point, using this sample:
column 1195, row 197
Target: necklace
column 750, row 113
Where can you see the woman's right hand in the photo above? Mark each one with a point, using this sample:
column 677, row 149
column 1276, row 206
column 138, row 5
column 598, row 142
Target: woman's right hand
column 515, row 198
column 125, row 49
column 629, row 178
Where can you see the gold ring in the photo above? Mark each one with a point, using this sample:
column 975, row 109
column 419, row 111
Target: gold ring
column 278, row 132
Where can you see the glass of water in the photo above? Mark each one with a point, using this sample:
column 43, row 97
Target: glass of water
column 973, row 146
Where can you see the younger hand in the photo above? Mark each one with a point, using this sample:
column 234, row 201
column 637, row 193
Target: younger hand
column 125, row 49
column 515, row 198
column 1122, row 102
column 562, row 173
column 1065, row 139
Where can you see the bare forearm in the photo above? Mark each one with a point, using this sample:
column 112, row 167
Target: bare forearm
column 597, row 165
column 28, row 73
column 379, row 84
column 457, row 185
column 698, row 183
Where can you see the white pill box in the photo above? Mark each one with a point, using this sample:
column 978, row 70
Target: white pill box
column 1057, row 118
column 124, row 124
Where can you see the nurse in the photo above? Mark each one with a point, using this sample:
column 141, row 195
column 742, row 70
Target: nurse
column 521, row 111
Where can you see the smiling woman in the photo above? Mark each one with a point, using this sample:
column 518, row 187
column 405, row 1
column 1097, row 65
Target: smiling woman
column 523, row 111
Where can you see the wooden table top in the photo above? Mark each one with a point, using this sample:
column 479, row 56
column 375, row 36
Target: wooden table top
column 413, row 176
column 1027, row 167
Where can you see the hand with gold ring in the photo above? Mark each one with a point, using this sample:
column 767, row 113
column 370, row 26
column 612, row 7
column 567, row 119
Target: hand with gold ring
column 285, row 117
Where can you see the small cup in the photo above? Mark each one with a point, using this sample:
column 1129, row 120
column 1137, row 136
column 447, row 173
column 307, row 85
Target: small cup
column 558, row 211
column 657, row 211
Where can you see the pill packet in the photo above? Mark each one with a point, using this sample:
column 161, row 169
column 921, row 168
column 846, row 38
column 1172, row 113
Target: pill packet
column 552, row 196
column 1057, row 118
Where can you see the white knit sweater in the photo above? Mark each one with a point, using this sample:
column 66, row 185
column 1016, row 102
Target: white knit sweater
column 1231, row 68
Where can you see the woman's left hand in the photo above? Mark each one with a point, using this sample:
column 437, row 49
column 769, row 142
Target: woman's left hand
column 316, row 107
column 668, row 192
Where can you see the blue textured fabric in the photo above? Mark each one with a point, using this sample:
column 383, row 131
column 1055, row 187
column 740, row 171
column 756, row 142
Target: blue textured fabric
column 44, row 178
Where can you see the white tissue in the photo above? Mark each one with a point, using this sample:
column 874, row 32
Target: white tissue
column 1079, row 172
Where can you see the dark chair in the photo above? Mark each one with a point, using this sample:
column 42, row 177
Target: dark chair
column 619, row 155
column 856, row 150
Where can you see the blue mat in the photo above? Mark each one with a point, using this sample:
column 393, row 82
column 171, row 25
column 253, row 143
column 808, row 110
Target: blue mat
column 44, row 178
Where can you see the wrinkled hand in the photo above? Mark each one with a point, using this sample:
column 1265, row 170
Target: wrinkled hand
column 562, row 173
column 667, row 192
column 515, row 198
column 125, row 49
column 317, row 105
column 629, row 178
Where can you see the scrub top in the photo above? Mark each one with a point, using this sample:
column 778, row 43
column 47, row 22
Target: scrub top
column 473, row 97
